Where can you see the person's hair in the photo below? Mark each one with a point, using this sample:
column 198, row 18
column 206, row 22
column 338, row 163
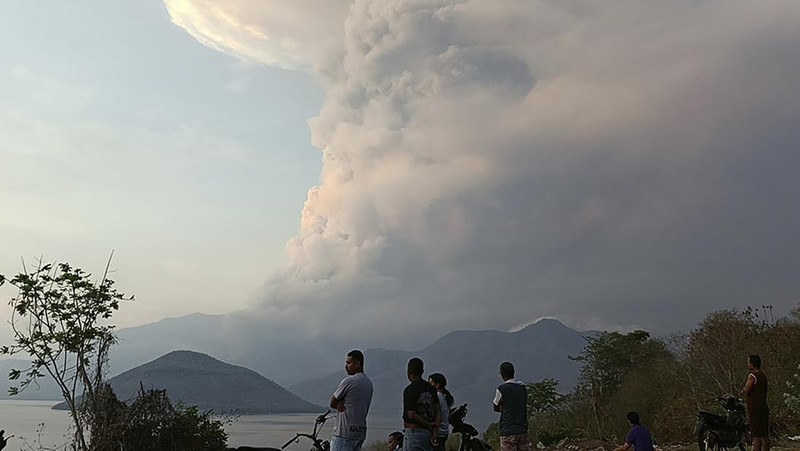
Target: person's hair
column 755, row 360
column 416, row 367
column 441, row 381
column 633, row 417
column 357, row 355
column 507, row 370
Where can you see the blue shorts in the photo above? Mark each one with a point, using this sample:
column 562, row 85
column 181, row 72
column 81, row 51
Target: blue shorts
column 346, row 444
column 417, row 440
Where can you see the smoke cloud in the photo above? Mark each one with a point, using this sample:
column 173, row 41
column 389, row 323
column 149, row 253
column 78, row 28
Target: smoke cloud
column 486, row 163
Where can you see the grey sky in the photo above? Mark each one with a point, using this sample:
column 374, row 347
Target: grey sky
column 484, row 164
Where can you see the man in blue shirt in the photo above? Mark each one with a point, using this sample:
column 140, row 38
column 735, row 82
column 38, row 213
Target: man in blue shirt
column 638, row 437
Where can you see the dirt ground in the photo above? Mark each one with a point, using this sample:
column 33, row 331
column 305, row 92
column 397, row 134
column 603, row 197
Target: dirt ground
column 569, row 444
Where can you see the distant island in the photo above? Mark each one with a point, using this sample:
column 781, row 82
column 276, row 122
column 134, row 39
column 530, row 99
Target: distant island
column 200, row 380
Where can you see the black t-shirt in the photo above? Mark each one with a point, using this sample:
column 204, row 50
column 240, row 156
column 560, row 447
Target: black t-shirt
column 420, row 397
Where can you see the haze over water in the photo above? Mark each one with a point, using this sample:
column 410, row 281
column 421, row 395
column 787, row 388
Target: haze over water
column 23, row 419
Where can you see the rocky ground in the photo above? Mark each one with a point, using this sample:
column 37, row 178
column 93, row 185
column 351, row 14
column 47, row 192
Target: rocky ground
column 569, row 444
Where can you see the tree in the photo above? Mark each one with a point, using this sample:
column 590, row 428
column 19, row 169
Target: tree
column 543, row 396
column 59, row 319
column 716, row 352
column 609, row 359
column 792, row 393
column 549, row 420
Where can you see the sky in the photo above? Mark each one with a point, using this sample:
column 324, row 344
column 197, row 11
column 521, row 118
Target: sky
column 389, row 170
column 118, row 131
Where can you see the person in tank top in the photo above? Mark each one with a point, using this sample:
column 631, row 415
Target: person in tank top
column 755, row 392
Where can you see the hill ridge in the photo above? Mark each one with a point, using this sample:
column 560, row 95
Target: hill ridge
column 196, row 378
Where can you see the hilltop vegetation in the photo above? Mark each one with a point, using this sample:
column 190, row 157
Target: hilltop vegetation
column 60, row 319
column 667, row 381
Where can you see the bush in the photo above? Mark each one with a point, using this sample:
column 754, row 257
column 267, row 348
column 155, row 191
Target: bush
column 792, row 394
column 151, row 423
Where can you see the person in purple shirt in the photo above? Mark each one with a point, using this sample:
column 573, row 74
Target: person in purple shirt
column 639, row 437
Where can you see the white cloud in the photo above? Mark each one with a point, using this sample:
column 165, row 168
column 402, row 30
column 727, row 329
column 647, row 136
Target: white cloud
column 287, row 34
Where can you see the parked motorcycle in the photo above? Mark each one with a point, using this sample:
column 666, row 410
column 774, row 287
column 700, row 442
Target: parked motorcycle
column 469, row 435
column 716, row 432
column 317, row 444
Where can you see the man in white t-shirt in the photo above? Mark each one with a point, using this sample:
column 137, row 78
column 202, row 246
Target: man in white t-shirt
column 351, row 399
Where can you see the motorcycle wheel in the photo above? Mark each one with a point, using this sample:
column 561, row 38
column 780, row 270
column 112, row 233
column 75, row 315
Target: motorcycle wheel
column 704, row 440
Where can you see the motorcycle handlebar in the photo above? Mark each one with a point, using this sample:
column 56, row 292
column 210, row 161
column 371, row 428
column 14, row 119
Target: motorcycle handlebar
column 296, row 437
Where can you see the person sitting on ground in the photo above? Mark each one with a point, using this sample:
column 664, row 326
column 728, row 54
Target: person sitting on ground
column 638, row 437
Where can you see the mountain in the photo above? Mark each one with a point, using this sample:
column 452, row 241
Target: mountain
column 199, row 332
column 312, row 369
column 470, row 361
column 235, row 338
column 199, row 379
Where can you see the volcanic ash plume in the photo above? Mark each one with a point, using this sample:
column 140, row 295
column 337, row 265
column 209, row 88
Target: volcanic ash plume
column 489, row 162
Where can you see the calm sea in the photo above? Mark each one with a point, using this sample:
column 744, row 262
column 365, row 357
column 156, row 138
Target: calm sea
column 34, row 422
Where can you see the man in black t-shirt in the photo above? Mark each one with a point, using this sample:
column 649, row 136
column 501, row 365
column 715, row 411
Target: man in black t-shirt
column 421, row 413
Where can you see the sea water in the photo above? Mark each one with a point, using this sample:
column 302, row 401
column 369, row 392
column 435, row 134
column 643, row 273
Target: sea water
column 34, row 423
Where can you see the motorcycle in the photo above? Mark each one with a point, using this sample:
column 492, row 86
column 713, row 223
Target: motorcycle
column 317, row 444
column 716, row 432
column 469, row 435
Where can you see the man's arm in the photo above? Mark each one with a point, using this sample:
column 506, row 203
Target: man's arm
column 337, row 400
column 630, row 439
column 437, row 416
column 337, row 404
column 748, row 386
column 437, row 421
column 414, row 418
column 497, row 403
